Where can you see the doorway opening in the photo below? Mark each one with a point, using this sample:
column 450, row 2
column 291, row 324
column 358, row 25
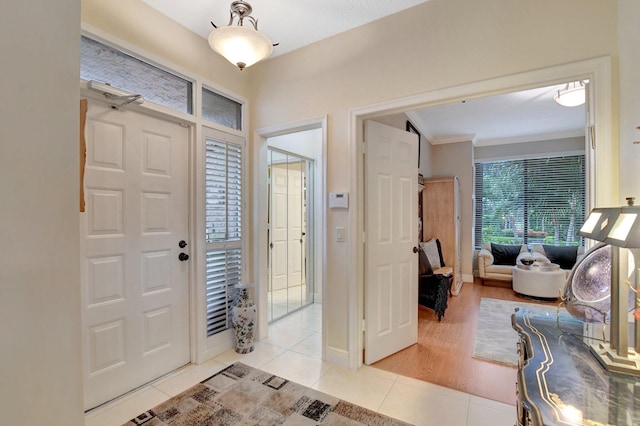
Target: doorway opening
column 290, row 217
column 596, row 71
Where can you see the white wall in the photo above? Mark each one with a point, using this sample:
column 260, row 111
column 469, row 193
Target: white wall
column 439, row 44
column 629, row 52
column 456, row 159
column 40, row 362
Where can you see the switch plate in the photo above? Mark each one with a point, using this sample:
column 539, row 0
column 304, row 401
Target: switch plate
column 340, row 234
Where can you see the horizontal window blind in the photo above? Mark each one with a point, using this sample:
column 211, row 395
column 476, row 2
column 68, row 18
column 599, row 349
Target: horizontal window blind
column 224, row 269
column 223, row 228
column 537, row 200
column 223, row 191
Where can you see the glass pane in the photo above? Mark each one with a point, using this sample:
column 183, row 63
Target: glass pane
column 221, row 110
column 530, row 201
column 107, row 65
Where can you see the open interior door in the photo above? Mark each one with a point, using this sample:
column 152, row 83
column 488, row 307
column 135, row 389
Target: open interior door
column 391, row 266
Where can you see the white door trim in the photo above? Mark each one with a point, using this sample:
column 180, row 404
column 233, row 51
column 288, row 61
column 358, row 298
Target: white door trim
column 259, row 226
column 597, row 70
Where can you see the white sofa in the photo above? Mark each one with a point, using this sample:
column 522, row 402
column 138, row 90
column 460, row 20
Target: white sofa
column 487, row 270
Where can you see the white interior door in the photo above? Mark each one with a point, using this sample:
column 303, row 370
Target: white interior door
column 295, row 222
column 391, row 267
column 279, row 227
column 134, row 287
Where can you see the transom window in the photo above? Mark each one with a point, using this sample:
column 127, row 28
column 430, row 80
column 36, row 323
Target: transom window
column 108, row 65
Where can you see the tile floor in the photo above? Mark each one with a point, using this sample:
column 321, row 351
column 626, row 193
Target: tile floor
column 293, row 350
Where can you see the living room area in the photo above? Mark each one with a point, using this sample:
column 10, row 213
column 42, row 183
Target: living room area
column 522, row 163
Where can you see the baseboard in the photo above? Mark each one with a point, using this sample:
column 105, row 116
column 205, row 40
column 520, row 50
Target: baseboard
column 467, row 278
column 337, row 356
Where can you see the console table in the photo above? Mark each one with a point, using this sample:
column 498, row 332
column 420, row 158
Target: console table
column 559, row 380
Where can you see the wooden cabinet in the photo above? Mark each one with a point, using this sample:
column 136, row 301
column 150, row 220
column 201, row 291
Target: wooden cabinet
column 441, row 220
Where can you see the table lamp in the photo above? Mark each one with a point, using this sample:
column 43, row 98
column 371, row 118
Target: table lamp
column 620, row 228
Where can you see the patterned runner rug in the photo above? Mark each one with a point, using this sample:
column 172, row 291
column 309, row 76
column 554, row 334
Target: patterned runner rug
column 243, row 395
column 495, row 337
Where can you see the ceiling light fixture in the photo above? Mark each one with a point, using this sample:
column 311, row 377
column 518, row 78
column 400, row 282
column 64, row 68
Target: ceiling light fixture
column 572, row 95
column 240, row 45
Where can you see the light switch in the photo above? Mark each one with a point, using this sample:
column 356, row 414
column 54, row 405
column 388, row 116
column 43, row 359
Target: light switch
column 340, row 234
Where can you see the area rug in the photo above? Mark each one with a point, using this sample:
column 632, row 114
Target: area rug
column 243, row 395
column 495, row 337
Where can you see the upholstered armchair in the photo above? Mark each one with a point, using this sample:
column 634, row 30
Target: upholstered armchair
column 496, row 261
column 434, row 284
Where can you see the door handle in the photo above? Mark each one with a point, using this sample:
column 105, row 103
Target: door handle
column 183, row 257
column 182, row 244
column 415, row 249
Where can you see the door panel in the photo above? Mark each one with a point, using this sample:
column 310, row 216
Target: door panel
column 391, row 267
column 134, row 288
column 279, row 228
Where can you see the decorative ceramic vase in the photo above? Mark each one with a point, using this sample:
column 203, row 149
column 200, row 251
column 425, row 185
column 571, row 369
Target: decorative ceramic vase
column 243, row 319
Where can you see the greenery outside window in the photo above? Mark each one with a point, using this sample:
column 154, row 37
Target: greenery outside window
column 529, row 201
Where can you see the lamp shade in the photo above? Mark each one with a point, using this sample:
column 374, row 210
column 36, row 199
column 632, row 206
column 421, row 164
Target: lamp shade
column 599, row 223
column 242, row 46
column 626, row 228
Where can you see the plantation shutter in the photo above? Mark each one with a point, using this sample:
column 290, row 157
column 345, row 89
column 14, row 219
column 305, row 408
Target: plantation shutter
column 533, row 200
column 223, row 228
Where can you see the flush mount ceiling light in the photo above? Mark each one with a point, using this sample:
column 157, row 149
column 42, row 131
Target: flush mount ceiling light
column 572, row 95
column 240, row 45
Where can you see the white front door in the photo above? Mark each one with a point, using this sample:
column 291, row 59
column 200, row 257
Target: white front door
column 279, row 227
column 135, row 304
column 391, row 267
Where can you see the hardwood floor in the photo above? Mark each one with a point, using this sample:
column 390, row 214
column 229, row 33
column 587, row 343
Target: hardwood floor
column 443, row 353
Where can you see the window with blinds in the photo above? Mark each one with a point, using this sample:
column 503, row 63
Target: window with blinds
column 223, row 229
column 528, row 201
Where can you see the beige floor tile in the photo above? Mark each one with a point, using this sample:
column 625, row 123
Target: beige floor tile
column 424, row 408
column 262, row 354
column 298, row 368
column 311, row 346
column 484, row 412
column 365, row 389
column 286, row 336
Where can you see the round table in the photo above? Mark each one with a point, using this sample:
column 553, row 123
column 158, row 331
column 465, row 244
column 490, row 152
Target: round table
column 544, row 280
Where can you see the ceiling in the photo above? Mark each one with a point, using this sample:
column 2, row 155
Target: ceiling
column 515, row 117
column 293, row 24
column 525, row 116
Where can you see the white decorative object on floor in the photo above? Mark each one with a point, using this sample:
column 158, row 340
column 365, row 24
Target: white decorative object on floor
column 539, row 281
column 243, row 318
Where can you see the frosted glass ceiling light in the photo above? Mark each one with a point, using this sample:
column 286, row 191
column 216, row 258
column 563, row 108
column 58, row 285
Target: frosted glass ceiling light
column 572, row 95
column 240, row 45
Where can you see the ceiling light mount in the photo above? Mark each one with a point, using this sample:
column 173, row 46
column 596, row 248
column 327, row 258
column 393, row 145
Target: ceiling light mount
column 241, row 45
column 573, row 94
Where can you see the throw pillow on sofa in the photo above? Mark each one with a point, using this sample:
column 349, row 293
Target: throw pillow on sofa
column 565, row 256
column 504, row 254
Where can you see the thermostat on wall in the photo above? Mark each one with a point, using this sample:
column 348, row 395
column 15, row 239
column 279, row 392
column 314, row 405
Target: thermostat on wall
column 338, row 200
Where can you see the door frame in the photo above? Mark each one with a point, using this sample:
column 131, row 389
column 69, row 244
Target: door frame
column 260, row 277
column 597, row 70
